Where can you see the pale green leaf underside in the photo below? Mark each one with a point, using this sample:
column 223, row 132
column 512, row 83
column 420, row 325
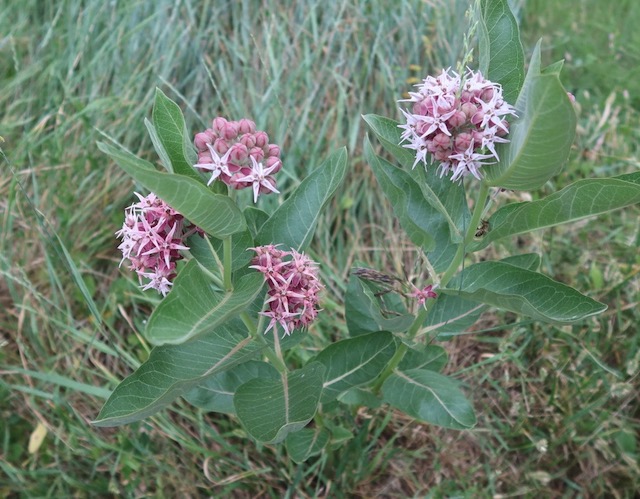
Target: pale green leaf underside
column 306, row 443
column 415, row 216
column 452, row 314
column 214, row 213
column 271, row 409
column 216, row 392
column 295, row 220
column 584, row 198
column 431, row 358
column 541, row 136
column 194, row 306
column 501, row 53
column 522, row 291
column 172, row 370
column 429, row 397
column 354, row 361
column 445, row 196
column 171, row 131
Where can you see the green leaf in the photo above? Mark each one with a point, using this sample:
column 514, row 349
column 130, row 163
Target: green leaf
column 415, row 216
column 215, row 394
column 501, row 54
column 255, row 219
column 272, row 409
column 306, row 443
column 453, row 314
column 157, row 145
column 363, row 314
column 173, row 370
column 431, row 358
column 429, row 397
column 522, row 291
column 584, row 198
column 541, row 137
column 194, row 306
column 295, row 220
column 214, row 213
column 201, row 249
column 447, row 197
column 354, row 361
column 172, row 134
column 424, row 225
column 360, row 396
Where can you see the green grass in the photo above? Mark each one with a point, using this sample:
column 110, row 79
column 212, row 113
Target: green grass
column 558, row 407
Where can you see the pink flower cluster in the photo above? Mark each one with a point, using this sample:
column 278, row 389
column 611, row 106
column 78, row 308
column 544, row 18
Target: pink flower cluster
column 294, row 287
column 422, row 294
column 457, row 121
column 152, row 237
column 238, row 155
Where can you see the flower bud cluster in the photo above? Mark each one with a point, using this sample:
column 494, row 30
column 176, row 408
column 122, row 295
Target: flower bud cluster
column 238, row 155
column 294, row 287
column 457, row 122
column 152, row 236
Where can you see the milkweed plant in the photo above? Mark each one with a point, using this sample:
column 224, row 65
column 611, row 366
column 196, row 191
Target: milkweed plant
column 238, row 290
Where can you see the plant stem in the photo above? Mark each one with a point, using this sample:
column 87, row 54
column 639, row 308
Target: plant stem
column 276, row 340
column 393, row 363
column 274, row 358
column 471, row 230
column 446, row 277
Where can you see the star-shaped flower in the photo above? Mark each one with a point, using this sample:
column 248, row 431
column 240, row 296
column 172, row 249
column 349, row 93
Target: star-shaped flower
column 259, row 178
column 218, row 166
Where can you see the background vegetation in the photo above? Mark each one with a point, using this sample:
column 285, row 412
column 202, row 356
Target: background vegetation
column 558, row 407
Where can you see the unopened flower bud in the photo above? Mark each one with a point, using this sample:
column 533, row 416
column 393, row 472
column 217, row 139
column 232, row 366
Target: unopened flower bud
column 218, row 124
column 221, row 146
column 246, row 126
column 230, row 130
column 262, row 139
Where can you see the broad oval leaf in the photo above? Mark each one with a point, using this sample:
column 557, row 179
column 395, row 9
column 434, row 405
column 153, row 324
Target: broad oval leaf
column 354, row 361
column 295, row 220
column 194, row 306
column 173, row 370
column 306, row 443
column 418, row 219
column 431, row 358
column 522, row 291
column 360, row 397
column 172, row 133
column 541, row 137
column 271, row 409
column 584, row 198
column 501, row 56
column 447, row 197
column 429, row 397
column 214, row 213
column 453, row 314
column 215, row 393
